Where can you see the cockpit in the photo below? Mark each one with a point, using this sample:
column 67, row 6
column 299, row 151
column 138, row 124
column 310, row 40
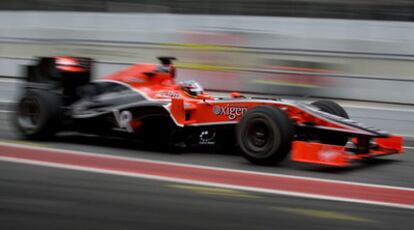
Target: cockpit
column 192, row 88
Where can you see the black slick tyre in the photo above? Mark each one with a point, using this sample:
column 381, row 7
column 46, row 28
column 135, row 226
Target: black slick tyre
column 38, row 114
column 333, row 108
column 264, row 135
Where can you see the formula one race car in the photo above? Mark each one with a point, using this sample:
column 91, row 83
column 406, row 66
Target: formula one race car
column 144, row 102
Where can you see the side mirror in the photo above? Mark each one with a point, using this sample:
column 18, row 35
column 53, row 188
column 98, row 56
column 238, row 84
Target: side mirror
column 149, row 74
column 236, row 95
column 204, row 97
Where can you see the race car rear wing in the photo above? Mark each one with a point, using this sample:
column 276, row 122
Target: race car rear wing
column 341, row 156
column 61, row 73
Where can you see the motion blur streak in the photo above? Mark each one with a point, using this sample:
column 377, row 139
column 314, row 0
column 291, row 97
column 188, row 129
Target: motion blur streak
column 349, row 59
column 276, row 184
column 322, row 214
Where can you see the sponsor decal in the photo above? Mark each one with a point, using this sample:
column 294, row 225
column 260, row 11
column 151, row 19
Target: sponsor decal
column 124, row 119
column 231, row 111
column 207, row 137
column 169, row 94
column 328, row 156
column 67, row 61
column 134, row 80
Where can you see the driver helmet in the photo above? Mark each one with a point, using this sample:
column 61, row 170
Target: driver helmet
column 191, row 87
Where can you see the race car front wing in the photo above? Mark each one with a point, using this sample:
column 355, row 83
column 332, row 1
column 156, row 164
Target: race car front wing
column 342, row 156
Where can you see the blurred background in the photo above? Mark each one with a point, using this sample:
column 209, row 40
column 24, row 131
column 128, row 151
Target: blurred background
column 359, row 52
column 354, row 49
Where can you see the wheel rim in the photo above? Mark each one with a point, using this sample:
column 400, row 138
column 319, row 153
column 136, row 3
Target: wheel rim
column 29, row 114
column 260, row 138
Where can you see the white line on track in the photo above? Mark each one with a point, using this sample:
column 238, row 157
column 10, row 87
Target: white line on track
column 201, row 183
column 408, row 147
column 10, row 80
column 405, row 135
column 379, row 108
column 57, row 151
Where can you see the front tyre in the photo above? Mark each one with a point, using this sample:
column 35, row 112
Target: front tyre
column 38, row 114
column 333, row 108
column 264, row 135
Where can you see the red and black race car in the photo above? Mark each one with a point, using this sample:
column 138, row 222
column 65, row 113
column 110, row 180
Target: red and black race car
column 144, row 102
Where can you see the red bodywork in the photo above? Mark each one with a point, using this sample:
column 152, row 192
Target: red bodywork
column 317, row 153
column 68, row 64
column 204, row 109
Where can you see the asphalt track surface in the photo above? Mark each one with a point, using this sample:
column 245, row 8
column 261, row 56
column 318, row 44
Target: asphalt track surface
column 35, row 197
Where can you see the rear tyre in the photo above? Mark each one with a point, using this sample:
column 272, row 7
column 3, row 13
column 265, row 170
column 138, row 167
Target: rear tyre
column 264, row 135
column 333, row 108
column 38, row 114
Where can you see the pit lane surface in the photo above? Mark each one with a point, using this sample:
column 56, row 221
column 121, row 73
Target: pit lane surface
column 34, row 197
column 57, row 197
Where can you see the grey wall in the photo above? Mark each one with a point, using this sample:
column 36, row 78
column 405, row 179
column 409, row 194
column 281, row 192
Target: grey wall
column 369, row 60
